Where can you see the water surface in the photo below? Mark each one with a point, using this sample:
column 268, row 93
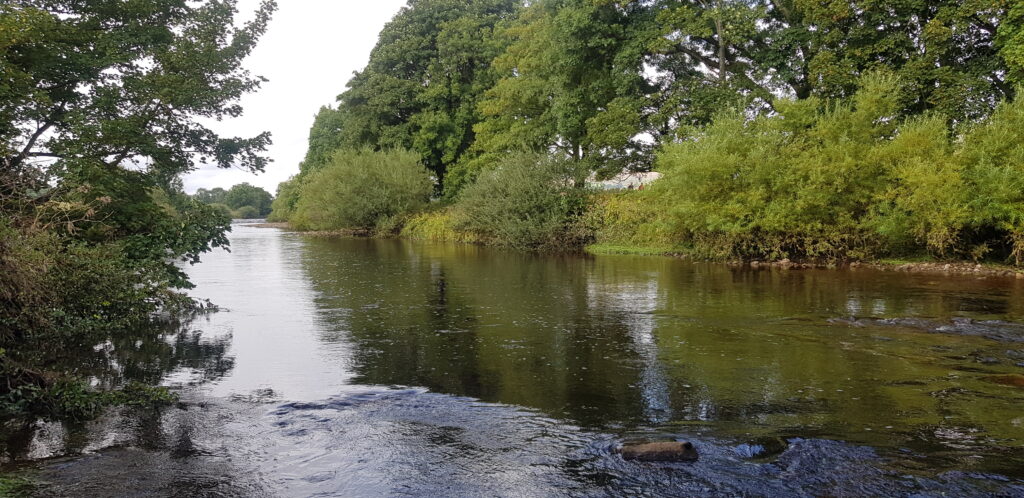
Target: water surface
column 382, row 367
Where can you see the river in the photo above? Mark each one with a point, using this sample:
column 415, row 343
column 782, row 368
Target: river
column 357, row 367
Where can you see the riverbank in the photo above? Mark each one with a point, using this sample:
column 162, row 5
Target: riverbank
column 436, row 227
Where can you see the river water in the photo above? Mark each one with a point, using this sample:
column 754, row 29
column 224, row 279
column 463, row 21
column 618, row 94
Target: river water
column 353, row 367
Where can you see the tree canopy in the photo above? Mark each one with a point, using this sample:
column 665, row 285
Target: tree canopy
column 608, row 82
column 102, row 108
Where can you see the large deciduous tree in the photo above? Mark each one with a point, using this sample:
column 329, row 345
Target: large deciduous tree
column 103, row 104
column 245, row 194
column 572, row 82
column 945, row 52
column 421, row 86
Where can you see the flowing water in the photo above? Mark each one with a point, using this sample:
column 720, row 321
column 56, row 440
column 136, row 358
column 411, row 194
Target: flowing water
column 352, row 367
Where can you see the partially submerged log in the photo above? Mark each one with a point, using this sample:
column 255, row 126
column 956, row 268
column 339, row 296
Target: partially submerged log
column 672, row 451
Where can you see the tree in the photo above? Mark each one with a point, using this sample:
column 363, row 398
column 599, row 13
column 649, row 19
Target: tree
column 571, row 82
column 943, row 51
column 420, row 89
column 363, row 189
column 245, row 194
column 1010, row 41
column 99, row 103
column 211, row 196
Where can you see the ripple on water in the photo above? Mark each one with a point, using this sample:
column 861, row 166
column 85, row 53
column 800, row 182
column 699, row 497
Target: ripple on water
column 386, row 442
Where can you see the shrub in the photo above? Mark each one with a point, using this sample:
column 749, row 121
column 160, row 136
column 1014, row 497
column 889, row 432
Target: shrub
column 633, row 219
column 437, row 225
column 526, row 201
column 221, row 209
column 798, row 184
column 992, row 157
column 245, row 213
column 358, row 189
column 288, row 193
column 850, row 181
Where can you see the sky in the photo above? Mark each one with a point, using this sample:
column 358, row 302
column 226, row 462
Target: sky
column 308, row 53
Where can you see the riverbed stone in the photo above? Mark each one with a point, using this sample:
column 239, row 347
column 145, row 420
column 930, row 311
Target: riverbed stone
column 669, row 451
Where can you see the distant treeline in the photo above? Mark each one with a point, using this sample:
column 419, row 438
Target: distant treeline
column 242, row 201
column 821, row 130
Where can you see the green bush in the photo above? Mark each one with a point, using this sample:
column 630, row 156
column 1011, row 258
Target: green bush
column 799, row 184
column 526, row 201
column 436, row 225
column 288, row 193
column 221, row 209
column 245, row 213
column 633, row 219
column 359, row 189
column 837, row 181
column 992, row 158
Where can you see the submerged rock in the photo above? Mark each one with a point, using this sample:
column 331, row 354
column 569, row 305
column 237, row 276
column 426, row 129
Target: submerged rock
column 672, row 451
column 996, row 330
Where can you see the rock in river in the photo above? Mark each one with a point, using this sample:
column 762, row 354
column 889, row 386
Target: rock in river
column 660, row 452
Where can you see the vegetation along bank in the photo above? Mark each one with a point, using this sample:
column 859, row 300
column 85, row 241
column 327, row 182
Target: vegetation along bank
column 819, row 133
column 99, row 116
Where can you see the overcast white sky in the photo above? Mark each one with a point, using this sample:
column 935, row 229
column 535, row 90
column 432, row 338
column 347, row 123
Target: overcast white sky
column 308, row 53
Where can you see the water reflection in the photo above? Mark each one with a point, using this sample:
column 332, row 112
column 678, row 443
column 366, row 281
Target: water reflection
column 653, row 344
column 150, row 355
column 380, row 366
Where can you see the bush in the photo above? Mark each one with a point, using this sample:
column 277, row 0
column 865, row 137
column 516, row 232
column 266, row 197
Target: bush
column 992, row 158
column 850, row 181
column 221, row 209
column 526, row 201
column 800, row 184
column 436, row 225
column 288, row 193
column 633, row 219
column 359, row 189
column 51, row 285
column 245, row 213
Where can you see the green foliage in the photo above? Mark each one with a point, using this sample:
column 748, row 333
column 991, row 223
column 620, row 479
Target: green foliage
column 16, row 486
column 100, row 81
column 212, row 196
column 632, row 219
column 571, row 81
column 992, row 159
column 221, row 209
column 421, row 86
column 800, row 184
column 75, row 400
column 359, row 189
column 288, row 193
column 245, row 213
column 849, row 181
column 246, row 195
column 527, row 201
column 238, row 197
column 50, row 285
column 100, row 107
column 437, row 225
column 945, row 52
column 1010, row 41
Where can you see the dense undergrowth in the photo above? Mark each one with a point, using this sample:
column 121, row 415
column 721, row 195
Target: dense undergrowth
column 817, row 181
column 87, row 279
